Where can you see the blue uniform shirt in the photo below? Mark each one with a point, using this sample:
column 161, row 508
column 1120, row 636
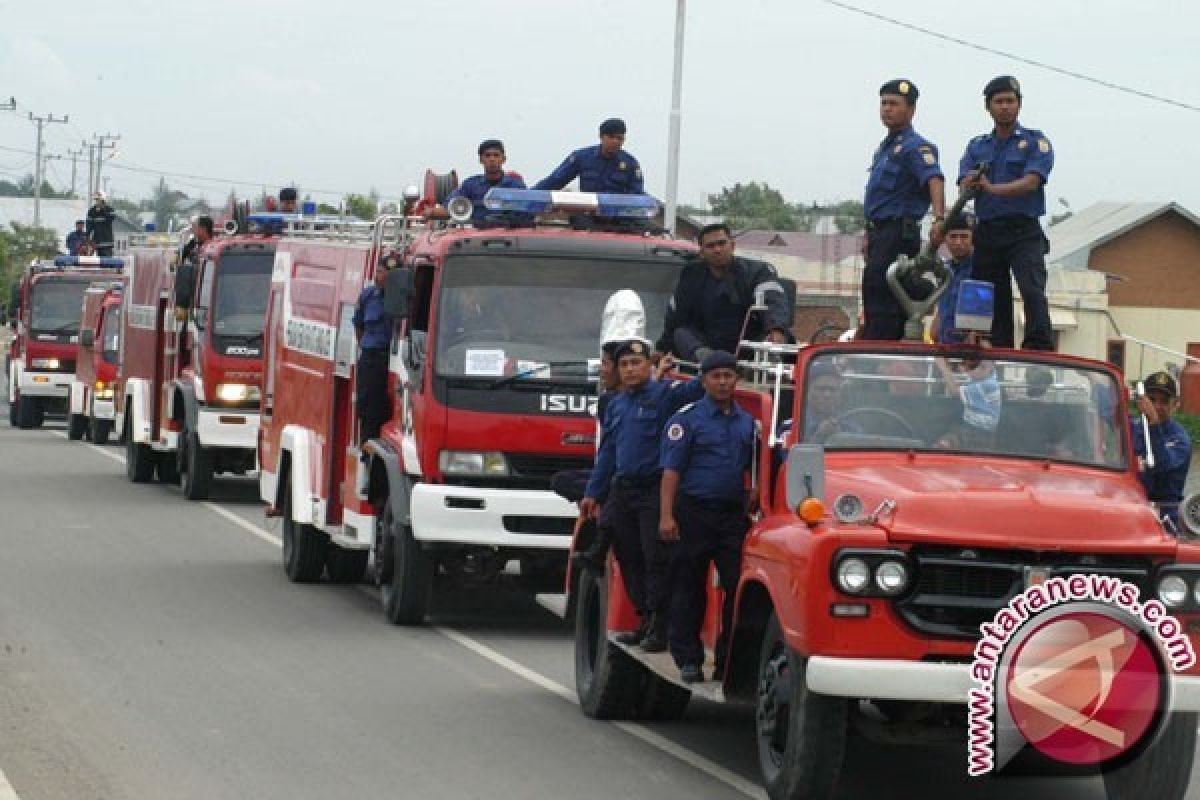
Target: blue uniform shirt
column 961, row 271
column 898, row 184
column 1025, row 151
column 632, row 428
column 369, row 317
column 711, row 450
column 620, row 174
column 1172, row 457
column 475, row 187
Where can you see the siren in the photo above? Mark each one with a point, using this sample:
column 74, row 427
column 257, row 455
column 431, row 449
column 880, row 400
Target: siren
column 460, row 209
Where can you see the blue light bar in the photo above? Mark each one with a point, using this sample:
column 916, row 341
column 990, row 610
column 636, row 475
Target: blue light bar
column 89, row 261
column 278, row 220
column 537, row 201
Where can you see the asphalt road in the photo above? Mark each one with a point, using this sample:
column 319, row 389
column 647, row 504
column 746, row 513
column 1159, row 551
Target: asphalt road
column 152, row 648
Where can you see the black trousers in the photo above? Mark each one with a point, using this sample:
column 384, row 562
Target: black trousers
column 371, row 401
column 707, row 535
column 632, row 515
column 1015, row 245
column 883, row 318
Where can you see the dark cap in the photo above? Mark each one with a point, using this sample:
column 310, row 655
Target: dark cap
column 80, row 222
column 718, row 359
column 609, row 348
column 1162, row 382
column 287, row 194
column 1004, row 83
column 962, row 221
column 491, row 144
column 612, row 126
column 906, row 89
column 631, row 347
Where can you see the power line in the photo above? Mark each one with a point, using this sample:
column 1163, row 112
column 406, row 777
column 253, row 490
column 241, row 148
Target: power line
column 1012, row 56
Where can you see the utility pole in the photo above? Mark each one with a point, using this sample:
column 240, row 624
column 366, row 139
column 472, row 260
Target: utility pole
column 74, row 155
column 41, row 122
column 103, row 141
column 11, row 105
column 673, row 136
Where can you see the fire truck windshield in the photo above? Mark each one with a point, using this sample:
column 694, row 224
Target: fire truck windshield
column 966, row 404
column 243, row 281
column 537, row 317
column 57, row 305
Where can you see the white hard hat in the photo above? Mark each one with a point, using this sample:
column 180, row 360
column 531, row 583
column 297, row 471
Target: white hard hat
column 624, row 318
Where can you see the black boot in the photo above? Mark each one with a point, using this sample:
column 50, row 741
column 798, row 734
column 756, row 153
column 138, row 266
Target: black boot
column 656, row 640
column 634, row 638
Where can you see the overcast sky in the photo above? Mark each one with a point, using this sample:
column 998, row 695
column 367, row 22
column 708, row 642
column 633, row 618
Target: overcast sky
column 344, row 96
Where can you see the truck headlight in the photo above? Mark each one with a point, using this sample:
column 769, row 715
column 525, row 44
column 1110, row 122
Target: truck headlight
column 891, row 577
column 45, row 363
column 103, row 390
column 464, row 462
column 853, row 575
column 236, row 393
column 1173, row 591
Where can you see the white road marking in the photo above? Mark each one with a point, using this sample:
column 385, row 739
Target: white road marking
column 7, row 792
column 656, row 740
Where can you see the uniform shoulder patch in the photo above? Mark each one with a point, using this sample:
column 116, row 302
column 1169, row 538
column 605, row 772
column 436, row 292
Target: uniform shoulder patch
column 1044, row 145
column 675, row 432
column 898, row 148
column 1021, row 145
column 930, row 158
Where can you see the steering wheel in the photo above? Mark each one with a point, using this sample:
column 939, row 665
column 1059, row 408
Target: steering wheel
column 891, row 416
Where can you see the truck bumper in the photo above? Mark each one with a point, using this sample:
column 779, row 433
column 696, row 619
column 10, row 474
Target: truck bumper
column 104, row 409
column 227, row 428
column 922, row 682
column 524, row 519
column 45, row 384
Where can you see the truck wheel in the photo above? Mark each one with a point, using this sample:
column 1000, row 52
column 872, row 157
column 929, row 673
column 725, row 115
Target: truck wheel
column 1164, row 770
column 139, row 458
column 303, row 546
column 76, row 426
column 801, row 735
column 343, row 565
column 29, row 413
column 404, row 571
column 167, row 469
column 101, row 429
column 609, row 683
column 198, row 468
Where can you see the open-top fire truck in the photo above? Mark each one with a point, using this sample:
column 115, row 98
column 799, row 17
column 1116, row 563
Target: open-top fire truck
column 492, row 374
column 46, row 307
column 191, row 366
column 90, row 406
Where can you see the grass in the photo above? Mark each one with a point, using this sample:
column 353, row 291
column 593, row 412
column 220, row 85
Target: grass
column 1191, row 423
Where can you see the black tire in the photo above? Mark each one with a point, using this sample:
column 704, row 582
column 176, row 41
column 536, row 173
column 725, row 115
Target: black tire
column 609, row 683
column 303, row 546
column 77, row 425
column 345, row 566
column 1164, row 770
column 404, row 572
column 29, row 413
column 100, row 431
column 139, row 458
column 801, row 736
column 197, row 467
column 167, row 469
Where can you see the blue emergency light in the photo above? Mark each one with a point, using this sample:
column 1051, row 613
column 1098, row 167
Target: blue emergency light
column 976, row 306
column 277, row 221
column 538, row 201
column 89, row 261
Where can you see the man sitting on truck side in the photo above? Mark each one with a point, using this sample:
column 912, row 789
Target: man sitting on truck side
column 76, row 238
column 373, row 329
column 287, row 200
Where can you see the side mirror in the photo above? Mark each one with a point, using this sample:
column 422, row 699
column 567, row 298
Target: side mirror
column 87, row 337
column 805, row 473
column 396, row 292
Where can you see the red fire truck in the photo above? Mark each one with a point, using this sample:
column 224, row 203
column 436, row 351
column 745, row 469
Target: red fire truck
column 46, row 305
column 90, row 406
column 492, row 371
column 893, row 524
column 191, row 369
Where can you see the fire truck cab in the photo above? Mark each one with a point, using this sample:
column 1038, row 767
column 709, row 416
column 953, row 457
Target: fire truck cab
column 893, row 524
column 191, row 369
column 47, row 304
column 91, row 409
column 492, row 382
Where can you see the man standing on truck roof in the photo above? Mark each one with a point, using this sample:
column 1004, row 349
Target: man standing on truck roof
column 100, row 224
column 287, row 200
column 905, row 179
column 1169, row 441
column 713, row 296
column 476, row 187
column 600, row 168
column 76, row 237
column 626, row 478
column 373, row 329
column 706, row 456
column 1009, row 242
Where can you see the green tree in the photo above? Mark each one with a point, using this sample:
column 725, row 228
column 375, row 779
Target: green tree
column 167, row 204
column 19, row 246
column 363, row 206
column 754, row 205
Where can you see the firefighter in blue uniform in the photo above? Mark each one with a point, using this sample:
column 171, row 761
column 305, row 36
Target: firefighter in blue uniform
column 1011, row 198
column 373, row 329
column 706, row 454
column 959, row 234
column 1169, row 441
column 626, row 480
column 905, row 180
column 603, row 167
column 476, row 187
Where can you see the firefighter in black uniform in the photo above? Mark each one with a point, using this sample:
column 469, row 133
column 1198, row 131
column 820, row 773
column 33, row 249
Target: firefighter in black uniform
column 373, row 329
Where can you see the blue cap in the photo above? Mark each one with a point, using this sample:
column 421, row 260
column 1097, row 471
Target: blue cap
column 612, row 126
column 631, row 347
column 718, row 359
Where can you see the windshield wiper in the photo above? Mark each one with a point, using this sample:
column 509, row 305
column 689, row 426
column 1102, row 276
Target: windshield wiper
column 516, row 376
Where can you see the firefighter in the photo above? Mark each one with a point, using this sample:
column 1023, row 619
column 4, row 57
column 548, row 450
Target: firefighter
column 474, row 188
column 708, row 308
column 905, row 179
column 603, row 167
column 100, row 224
column 706, row 455
column 373, row 329
column 960, row 235
column 1011, row 198
column 287, row 200
column 626, row 479
column 76, row 238
column 1169, row 441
